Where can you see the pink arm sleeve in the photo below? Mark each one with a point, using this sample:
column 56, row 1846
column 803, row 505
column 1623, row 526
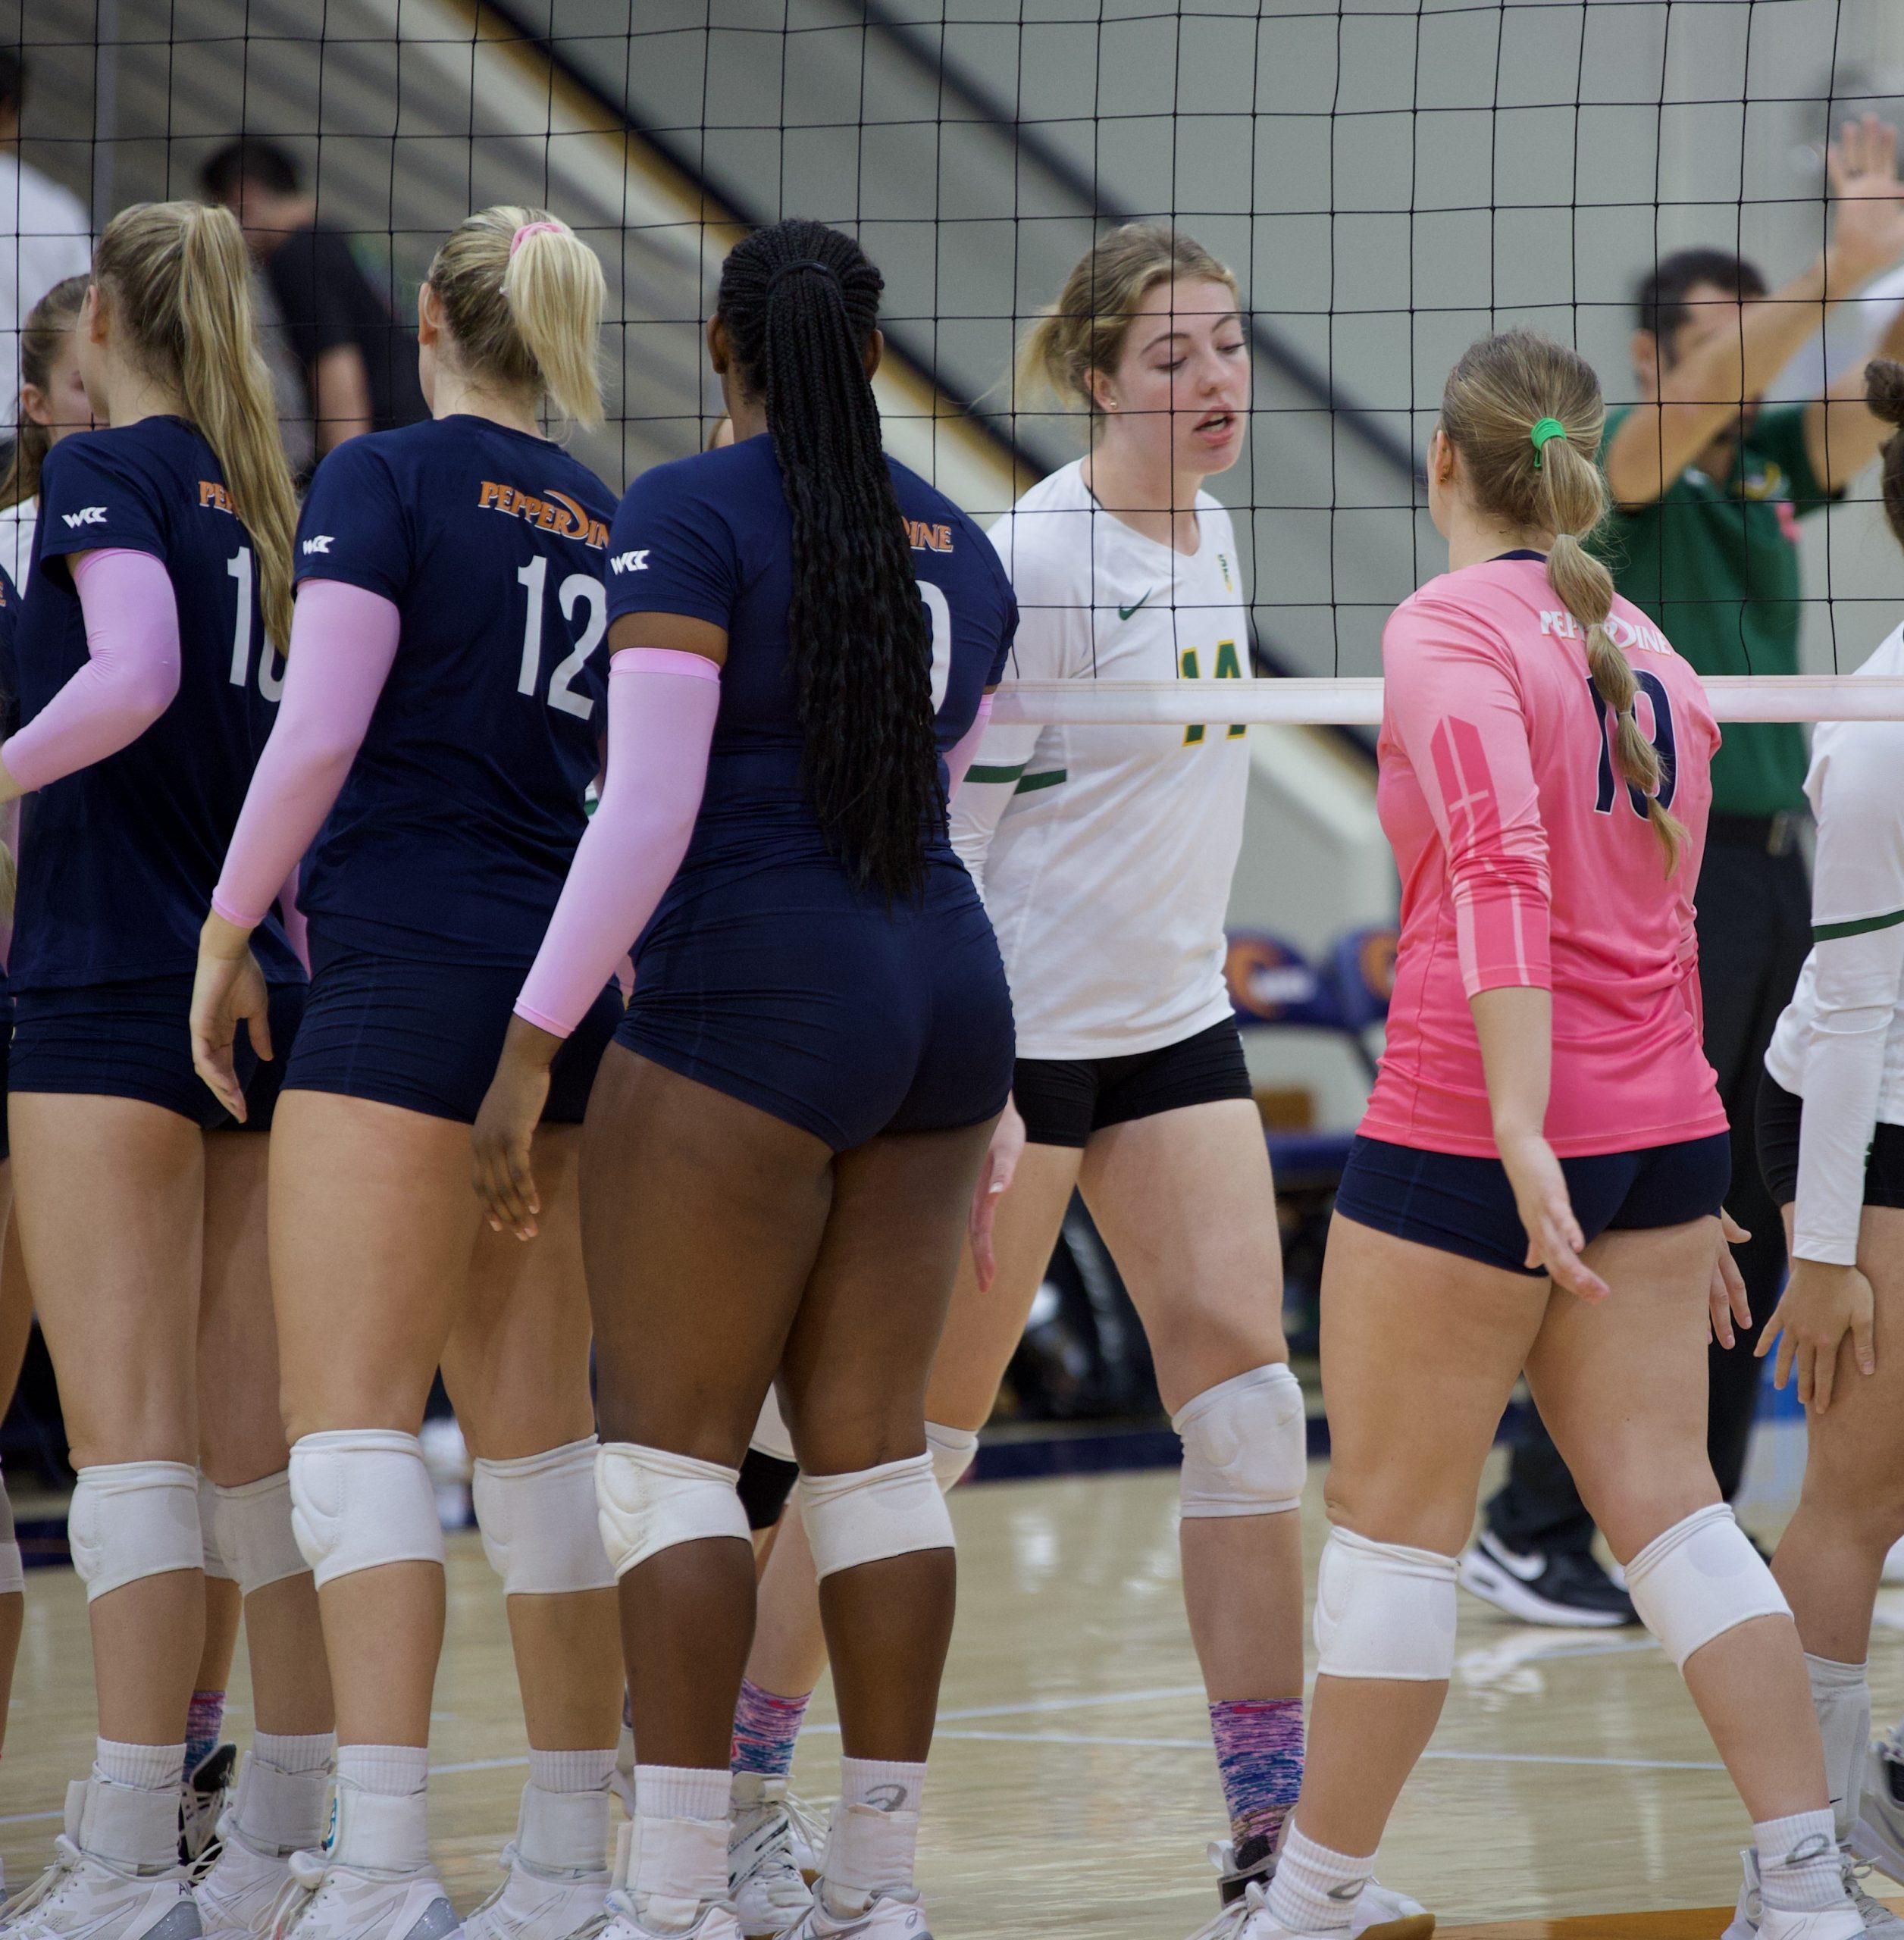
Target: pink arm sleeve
column 1451, row 698
column 343, row 642
column 963, row 750
column 662, row 705
column 130, row 676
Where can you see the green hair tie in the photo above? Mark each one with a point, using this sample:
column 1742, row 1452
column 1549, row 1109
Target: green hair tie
column 1548, row 429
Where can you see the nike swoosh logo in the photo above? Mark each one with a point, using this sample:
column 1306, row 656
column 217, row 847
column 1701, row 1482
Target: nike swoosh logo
column 1523, row 1569
column 1125, row 612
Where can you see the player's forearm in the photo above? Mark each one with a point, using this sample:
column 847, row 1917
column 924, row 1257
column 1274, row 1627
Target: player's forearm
column 1515, row 1026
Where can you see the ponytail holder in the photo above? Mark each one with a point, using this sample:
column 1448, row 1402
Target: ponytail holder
column 529, row 228
column 1545, row 433
column 801, row 263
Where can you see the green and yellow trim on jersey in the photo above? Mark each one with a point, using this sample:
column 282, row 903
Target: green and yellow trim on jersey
column 1858, row 927
column 1024, row 784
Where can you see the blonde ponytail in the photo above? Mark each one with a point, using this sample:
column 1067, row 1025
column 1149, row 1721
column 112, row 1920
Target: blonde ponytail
column 178, row 276
column 1500, row 390
column 525, row 314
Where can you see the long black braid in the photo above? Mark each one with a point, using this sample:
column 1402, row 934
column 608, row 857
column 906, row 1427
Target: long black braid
column 799, row 302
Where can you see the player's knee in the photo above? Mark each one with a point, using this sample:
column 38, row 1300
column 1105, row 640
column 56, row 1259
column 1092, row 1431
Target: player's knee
column 868, row 1515
column 1699, row 1579
column 843, row 1430
column 134, row 1519
column 1384, row 1610
column 953, row 1450
column 648, row 1500
column 361, row 1498
column 253, row 1524
column 536, row 1514
column 1245, row 1445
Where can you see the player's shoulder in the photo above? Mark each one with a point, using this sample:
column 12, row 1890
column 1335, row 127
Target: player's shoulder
column 739, row 481
column 938, row 527
column 1047, row 534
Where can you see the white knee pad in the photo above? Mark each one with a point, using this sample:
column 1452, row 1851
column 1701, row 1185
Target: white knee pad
column 1245, row 1445
column 770, row 1434
column 216, row 1563
column 130, row 1519
column 13, row 1572
column 255, row 1532
column 536, row 1516
column 1699, row 1579
column 1384, row 1610
column 361, row 1497
column 873, row 1513
column 951, row 1450
column 648, row 1500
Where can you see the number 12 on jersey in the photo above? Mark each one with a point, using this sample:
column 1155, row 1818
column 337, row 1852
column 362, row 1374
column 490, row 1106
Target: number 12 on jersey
column 581, row 589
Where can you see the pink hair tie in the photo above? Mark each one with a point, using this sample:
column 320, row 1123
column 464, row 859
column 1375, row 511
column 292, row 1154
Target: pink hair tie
column 529, row 228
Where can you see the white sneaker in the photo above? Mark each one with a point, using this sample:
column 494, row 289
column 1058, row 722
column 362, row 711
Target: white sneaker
column 892, row 1915
column 564, row 1886
column 1752, row 1920
column 1255, row 1922
column 768, row 1875
column 1378, row 1913
column 716, row 1921
column 239, row 1889
column 1880, row 1923
column 1878, row 1837
column 87, row 1894
column 202, row 1802
column 322, row 1901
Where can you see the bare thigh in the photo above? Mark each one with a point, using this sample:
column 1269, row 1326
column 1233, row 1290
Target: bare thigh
column 1621, row 1383
column 110, row 1194
column 982, row 1329
column 516, row 1361
column 372, row 1226
column 701, row 1219
column 854, row 1371
column 1186, row 1205
column 1420, row 1351
column 241, row 1427
column 16, row 1295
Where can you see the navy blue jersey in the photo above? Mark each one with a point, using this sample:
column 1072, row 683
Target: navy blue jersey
column 711, row 537
column 118, row 860
column 454, row 831
column 9, row 696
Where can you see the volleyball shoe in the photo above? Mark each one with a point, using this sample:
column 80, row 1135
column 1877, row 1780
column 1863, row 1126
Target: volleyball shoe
column 94, row 1890
column 1878, row 1837
column 202, row 1803
column 890, row 1915
column 1752, row 1920
column 772, row 1856
column 1378, row 1914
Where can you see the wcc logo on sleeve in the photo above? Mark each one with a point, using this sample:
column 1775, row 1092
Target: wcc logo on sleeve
column 552, row 512
column 86, row 515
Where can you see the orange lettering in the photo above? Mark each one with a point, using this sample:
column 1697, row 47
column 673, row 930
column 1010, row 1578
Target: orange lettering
column 490, row 493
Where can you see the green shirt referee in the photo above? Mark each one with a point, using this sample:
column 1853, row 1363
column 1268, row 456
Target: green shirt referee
column 1709, row 486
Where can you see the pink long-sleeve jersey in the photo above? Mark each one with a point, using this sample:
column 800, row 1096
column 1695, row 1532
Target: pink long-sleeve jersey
column 1525, row 860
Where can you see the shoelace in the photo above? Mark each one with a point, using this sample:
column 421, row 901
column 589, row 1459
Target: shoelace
column 809, row 1821
column 307, row 1870
column 50, row 1883
column 1234, row 1917
column 1856, row 1871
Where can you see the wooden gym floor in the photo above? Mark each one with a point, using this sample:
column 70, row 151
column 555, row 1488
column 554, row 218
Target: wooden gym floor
column 1569, row 1793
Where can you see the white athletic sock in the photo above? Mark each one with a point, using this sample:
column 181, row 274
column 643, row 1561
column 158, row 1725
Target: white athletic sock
column 1841, row 1696
column 397, row 1771
column 145, row 1767
column 1314, row 1890
column 680, row 1848
column 1799, row 1866
column 296, row 1754
column 570, row 1771
column 875, row 1834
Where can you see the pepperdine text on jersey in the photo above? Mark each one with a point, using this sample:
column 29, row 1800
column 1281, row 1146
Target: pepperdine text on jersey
column 556, row 512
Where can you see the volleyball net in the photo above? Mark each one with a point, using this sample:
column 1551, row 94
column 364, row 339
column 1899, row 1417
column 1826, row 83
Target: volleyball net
column 1389, row 179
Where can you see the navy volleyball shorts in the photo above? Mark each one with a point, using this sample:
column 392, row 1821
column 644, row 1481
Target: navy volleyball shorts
column 426, row 1036
column 1465, row 1205
column 1063, row 1100
column 1780, row 1114
column 134, row 1040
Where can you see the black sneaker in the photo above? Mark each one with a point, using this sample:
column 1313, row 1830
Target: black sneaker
column 1566, row 1588
column 201, row 1800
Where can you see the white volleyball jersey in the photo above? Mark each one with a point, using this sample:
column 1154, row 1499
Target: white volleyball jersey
column 1840, row 1045
column 1105, row 854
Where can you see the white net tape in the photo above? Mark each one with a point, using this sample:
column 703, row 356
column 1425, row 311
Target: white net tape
column 1358, row 703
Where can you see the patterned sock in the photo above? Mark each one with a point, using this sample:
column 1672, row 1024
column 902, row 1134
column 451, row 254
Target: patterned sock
column 201, row 1723
column 764, row 1730
column 1315, row 1890
column 1799, row 1866
column 1259, row 1758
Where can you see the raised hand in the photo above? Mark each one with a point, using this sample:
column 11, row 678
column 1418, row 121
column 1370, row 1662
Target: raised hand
column 1868, row 216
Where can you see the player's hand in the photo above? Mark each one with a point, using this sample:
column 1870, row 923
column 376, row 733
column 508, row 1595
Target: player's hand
column 1867, row 218
column 504, row 1129
column 227, row 989
column 1002, row 1156
column 1821, row 1303
column 1727, row 1297
column 1554, row 1240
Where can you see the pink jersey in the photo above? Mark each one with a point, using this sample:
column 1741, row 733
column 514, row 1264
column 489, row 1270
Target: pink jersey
column 1524, row 860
